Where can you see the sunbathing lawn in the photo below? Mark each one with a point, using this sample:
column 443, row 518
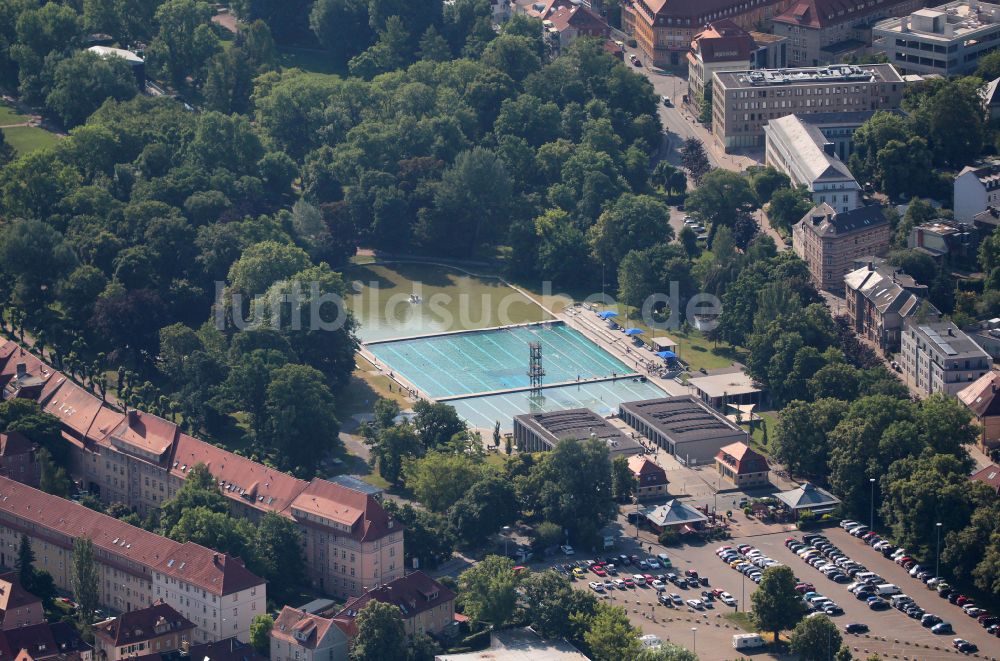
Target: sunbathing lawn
column 25, row 139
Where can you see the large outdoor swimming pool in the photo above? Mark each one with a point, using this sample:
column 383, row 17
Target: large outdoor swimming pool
column 497, row 359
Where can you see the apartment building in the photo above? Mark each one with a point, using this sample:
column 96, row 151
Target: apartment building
column 664, row 30
column 829, row 241
column 137, row 568
column 17, row 458
column 879, row 298
column 426, row 606
column 976, row 189
column 948, row 39
column 18, row 607
column 301, row 636
column 801, row 151
column 45, row 642
column 825, row 31
column 725, row 46
column 152, row 630
column 982, row 398
column 139, row 459
column 744, row 101
column 936, row 356
column 946, row 240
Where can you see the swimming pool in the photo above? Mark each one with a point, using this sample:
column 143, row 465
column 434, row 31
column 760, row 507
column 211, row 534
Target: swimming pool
column 602, row 397
column 497, row 359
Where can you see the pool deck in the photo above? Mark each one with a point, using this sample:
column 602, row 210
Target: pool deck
column 469, row 331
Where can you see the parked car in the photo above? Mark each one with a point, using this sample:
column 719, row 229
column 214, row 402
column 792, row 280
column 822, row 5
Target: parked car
column 695, row 604
column 596, row 587
column 964, row 646
column 856, row 627
column 567, row 549
column 929, row 620
column 727, row 599
column 942, row 628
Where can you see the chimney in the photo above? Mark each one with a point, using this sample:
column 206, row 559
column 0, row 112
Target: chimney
column 871, row 266
column 133, row 417
column 830, row 149
column 951, row 332
column 215, row 558
column 22, row 370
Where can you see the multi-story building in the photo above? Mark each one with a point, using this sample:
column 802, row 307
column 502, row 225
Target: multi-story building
column 664, row 30
column 948, row 39
column 744, row 101
column 17, row 458
column 879, row 299
column 142, row 460
column 825, row 31
column 725, row 46
column 945, row 240
column 45, row 642
column 982, row 398
column 829, row 242
column 839, row 128
column 151, row 630
column 568, row 22
column 976, row 188
column 650, row 478
column 136, row 567
column 742, row 466
column 18, row 607
column 301, row 636
column 801, row 151
column 936, row 356
column 426, row 606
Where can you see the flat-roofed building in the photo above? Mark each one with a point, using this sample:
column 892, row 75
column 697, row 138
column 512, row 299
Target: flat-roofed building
column 141, row 460
column 539, row 432
column 829, row 241
column 733, row 386
column 683, row 426
column 825, row 31
column 724, row 46
column 135, row 567
column 937, row 356
column 801, row 151
column 744, row 101
column 947, row 39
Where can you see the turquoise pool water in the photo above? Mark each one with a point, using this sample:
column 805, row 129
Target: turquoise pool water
column 602, row 397
column 485, row 361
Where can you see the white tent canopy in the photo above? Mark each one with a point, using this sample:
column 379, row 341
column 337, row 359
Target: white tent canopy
column 663, row 343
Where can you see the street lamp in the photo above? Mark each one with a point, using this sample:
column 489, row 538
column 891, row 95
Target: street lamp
column 506, row 532
column 871, row 523
column 694, row 639
column 937, row 554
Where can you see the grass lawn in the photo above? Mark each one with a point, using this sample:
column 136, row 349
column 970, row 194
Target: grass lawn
column 10, row 116
column 26, row 139
column 365, row 387
column 742, row 620
column 312, row 61
column 757, row 439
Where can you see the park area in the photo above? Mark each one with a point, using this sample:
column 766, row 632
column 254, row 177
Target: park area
column 20, row 132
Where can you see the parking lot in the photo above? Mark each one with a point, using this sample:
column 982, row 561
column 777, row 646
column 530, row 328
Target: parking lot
column 891, row 632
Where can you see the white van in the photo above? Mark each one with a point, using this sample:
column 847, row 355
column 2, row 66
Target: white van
column 887, row 589
column 744, row 641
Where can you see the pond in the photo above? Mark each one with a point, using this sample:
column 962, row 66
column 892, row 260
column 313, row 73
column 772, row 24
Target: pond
column 406, row 299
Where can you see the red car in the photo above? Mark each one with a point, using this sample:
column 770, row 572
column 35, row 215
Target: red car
column 629, row 583
column 802, row 588
column 963, row 600
column 600, row 571
column 648, row 577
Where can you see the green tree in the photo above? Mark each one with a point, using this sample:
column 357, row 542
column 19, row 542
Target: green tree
column 185, row 41
column 554, row 607
column 300, row 409
column 53, row 479
column 381, row 634
column 199, row 489
column 720, row 199
column 439, row 479
column 694, row 159
column 341, row 26
column 787, row 207
column 989, row 67
column 436, row 423
column 776, row 604
column 611, row 636
column 85, row 579
column 904, row 167
column 488, row 590
column 82, row 82
column 260, row 633
column 24, row 564
column 632, row 222
column 623, row 482
column 486, row 507
column 563, row 254
column 799, row 440
column 815, row 639
column 278, row 554
column 390, row 446
column 766, row 181
column 214, row 530
column 667, row 652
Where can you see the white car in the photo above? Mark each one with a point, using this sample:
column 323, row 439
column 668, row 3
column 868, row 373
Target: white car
column 620, row 584
column 695, row 604
column 847, row 523
column 659, row 586
column 727, row 599
column 567, row 549
column 638, row 579
column 596, row 587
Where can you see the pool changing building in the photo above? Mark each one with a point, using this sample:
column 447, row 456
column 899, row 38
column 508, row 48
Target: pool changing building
column 683, row 426
column 539, row 432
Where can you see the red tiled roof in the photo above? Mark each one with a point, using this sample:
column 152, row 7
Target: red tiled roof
column 690, row 9
column 300, row 628
column 142, row 625
column 723, row 41
column 990, row 476
column 642, row 466
column 75, row 407
column 823, row 13
column 240, row 478
column 192, row 563
column 13, row 443
column 412, row 594
column 981, row 395
column 745, row 460
column 145, row 432
column 38, row 373
column 576, row 16
column 41, row 641
column 362, row 512
column 13, row 594
column 228, row 649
